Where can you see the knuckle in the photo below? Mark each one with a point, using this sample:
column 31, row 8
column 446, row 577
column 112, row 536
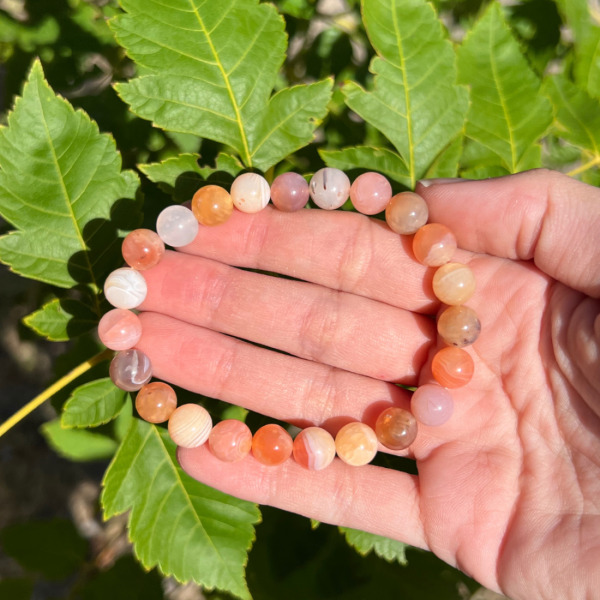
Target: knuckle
column 317, row 332
column 222, row 371
column 342, row 497
column 255, row 238
column 356, row 257
column 322, row 394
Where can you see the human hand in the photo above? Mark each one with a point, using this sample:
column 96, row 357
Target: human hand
column 509, row 489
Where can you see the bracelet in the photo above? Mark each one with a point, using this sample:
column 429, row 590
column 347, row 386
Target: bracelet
column 190, row 425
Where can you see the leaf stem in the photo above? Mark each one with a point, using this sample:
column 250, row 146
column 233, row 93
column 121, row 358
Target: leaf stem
column 55, row 387
column 588, row 165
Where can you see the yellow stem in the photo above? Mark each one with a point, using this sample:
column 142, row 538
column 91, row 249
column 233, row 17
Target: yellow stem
column 588, row 165
column 55, row 387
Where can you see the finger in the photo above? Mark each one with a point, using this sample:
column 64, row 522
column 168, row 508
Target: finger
column 540, row 215
column 300, row 318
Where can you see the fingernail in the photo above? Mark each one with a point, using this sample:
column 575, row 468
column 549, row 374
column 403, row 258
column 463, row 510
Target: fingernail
column 429, row 182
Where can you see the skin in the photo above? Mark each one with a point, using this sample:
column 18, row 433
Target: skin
column 509, row 489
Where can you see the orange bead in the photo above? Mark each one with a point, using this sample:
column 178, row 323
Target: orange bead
column 142, row 249
column 434, row 245
column 230, row 440
column 156, row 402
column 406, row 213
column 454, row 284
column 452, row 367
column 396, row 428
column 212, row 205
column 459, row 326
column 272, row 445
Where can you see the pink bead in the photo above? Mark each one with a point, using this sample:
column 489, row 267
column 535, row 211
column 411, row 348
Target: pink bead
column 432, row 405
column 370, row 193
column 289, row 192
column 119, row 329
column 230, row 440
column 142, row 249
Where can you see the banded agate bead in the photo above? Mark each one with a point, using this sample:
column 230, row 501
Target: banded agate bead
column 142, row 249
column 406, row 213
column 190, row 425
column 250, row 192
column 156, row 402
column 329, row 188
column 452, row 367
column 272, row 445
column 396, row 428
column 432, row 405
column 119, row 329
column 130, row 370
column 289, row 192
column 314, row 448
column 177, row 226
column 356, row 444
column 125, row 288
column 370, row 193
column 230, row 440
column 454, row 284
column 212, row 205
column 433, row 245
column 459, row 326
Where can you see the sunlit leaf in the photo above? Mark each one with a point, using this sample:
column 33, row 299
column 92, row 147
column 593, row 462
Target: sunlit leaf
column 62, row 319
column 368, row 542
column 446, row 164
column 79, row 445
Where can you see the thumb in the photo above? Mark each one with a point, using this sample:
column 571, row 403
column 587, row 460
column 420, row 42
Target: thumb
column 541, row 215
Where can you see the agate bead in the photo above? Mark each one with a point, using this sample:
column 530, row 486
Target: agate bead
column 289, row 192
column 314, row 448
column 370, row 193
column 432, row 405
column 459, row 326
column 356, row 444
column 212, row 205
column 156, row 402
column 434, row 244
column 406, row 213
column 130, row 370
column 250, row 193
column 230, row 440
column 120, row 329
column 272, row 445
column 454, row 284
column 396, row 428
column 329, row 188
column 177, row 226
column 452, row 367
column 190, row 425
column 142, row 249
column 125, row 288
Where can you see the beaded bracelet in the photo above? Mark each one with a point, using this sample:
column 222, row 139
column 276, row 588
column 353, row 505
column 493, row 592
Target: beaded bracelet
column 314, row 448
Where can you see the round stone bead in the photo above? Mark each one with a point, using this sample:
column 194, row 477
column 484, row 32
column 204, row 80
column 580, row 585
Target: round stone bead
column 190, row 425
column 250, row 192
column 406, row 213
column 434, row 244
column 125, row 288
column 156, row 402
column 370, row 193
column 459, row 326
column 272, row 445
column 356, row 444
column 432, row 405
column 230, row 440
column 120, row 329
column 454, row 284
column 396, row 428
column 212, row 205
column 314, row 448
column 177, row 226
column 142, row 249
column 329, row 188
column 452, row 367
column 130, row 370
column 289, row 192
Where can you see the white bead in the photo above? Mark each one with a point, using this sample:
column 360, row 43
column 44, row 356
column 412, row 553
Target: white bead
column 177, row 226
column 250, row 193
column 329, row 188
column 125, row 288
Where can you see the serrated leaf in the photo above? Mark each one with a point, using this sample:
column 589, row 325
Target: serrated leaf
column 62, row 319
column 508, row 114
column 446, row 164
column 384, row 547
column 213, row 68
column 77, row 444
column 415, row 102
column 93, row 404
column 189, row 530
column 123, row 421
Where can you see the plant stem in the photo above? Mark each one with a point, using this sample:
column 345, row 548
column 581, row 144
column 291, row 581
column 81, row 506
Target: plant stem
column 588, row 165
column 55, row 387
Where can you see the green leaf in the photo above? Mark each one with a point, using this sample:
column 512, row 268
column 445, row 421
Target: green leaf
column 368, row 542
column 77, row 444
column 16, row 589
column 27, row 37
column 189, row 530
column 446, row 164
column 212, row 67
column 62, row 319
column 93, row 404
column 415, row 103
column 508, row 114
column 123, row 421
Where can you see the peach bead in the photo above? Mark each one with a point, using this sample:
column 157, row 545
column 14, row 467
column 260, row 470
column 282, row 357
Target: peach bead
column 190, row 425
column 314, row 448
column 356, row 444
column 156, row 402
column 289, row 192
column 142, row 249
column 272, row 445
column 452, row 367
column 406, row 213
column 120, row 329
column 459, row 326
column 212, row 205
column 434, row 244
column 432, row 405
column 396, row 428
column 230, row 440
column 454, row 284
column 370, row 193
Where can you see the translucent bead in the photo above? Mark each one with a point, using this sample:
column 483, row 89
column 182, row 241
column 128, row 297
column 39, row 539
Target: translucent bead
column 396, row 428
column 289, row 192
column 177, row 226
column 434, row 245
column 125, row 288
column 432, row 405
column 329, row 188
column 406, row 213
column 230, row 440
column 454, row 284
column 272, row 445
column 459, row 326
column 370, row 193
column 250, row 193
column 212, row 205
column 314, row 448
column 190, row 425
column 130, row 370
column 452, row 367
column 356, row 444
column 142, row 249
column 156, row 402
column 120, row 329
